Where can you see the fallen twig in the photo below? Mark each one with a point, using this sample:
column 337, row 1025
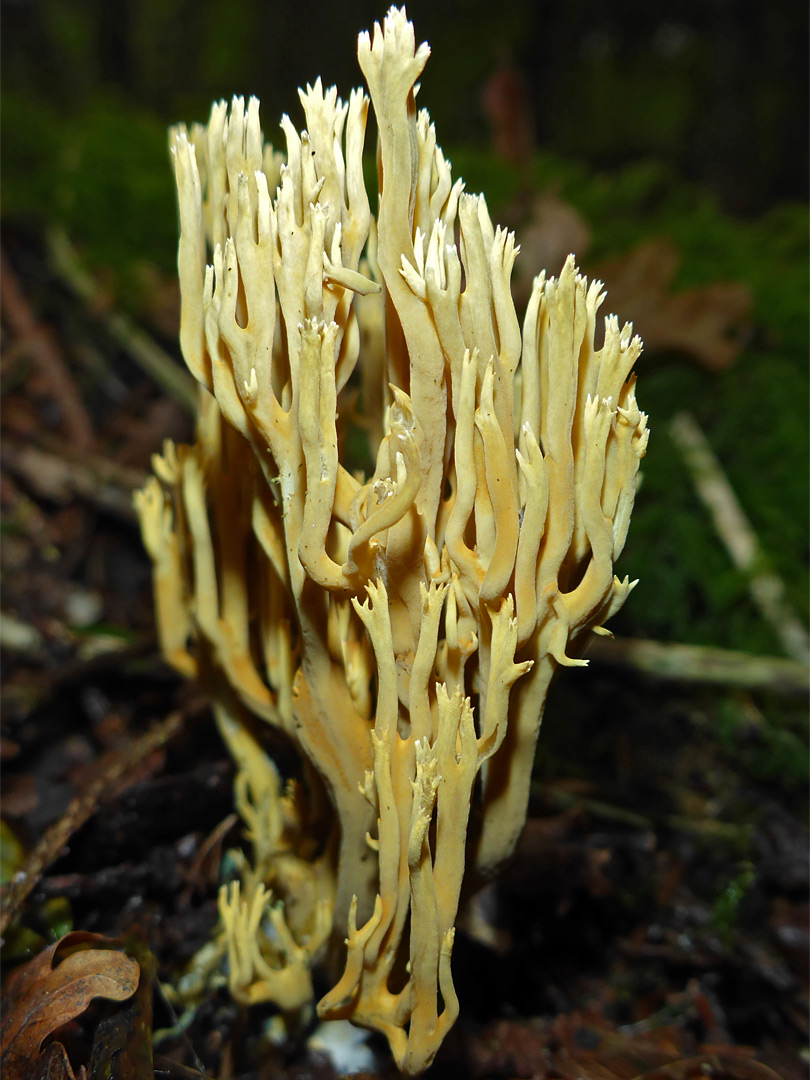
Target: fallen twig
column 39, row 343
column 60, row 472
column 143, row 349
column 703, row 664
column 734, row 529
column 113, row 773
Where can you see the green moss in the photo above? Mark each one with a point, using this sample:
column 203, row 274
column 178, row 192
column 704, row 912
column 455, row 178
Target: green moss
column 772, row 752
column 753, row 417
column 727, row 904
column 102, row 174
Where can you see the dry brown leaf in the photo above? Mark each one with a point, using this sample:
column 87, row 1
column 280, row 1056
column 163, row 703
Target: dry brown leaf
column 47, row 992
column 507, row 105
column 551, row 231
column 709, row 323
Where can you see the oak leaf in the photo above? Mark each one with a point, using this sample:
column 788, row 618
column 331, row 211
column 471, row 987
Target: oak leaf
column 708, row 322
column 53, row 989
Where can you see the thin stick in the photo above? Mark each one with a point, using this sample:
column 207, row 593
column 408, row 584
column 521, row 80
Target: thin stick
column 38, row 341
column 734, row 529
column 703, row 664
column 61, row 473
column 113, row 773
column 143, row 349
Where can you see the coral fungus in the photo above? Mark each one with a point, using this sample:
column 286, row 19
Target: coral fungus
column 399, row 628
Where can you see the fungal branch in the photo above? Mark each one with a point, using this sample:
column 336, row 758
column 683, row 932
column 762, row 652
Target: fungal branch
column 399, row 629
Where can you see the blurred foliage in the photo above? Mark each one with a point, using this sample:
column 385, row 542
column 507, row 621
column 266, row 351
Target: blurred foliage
column 754, row 418
column 774, row 752
column 47, row 920
column 727, row 904
column 710, row 88
column 12, row 853
column 103, row 175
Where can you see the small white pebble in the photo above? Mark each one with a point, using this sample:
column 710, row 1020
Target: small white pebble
column 83, row 608
column 345, row 1045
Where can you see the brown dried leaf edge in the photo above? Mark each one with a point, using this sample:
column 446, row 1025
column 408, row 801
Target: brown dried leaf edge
column 56, row 987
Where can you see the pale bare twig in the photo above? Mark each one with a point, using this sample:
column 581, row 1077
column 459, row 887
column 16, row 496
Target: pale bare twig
column 703, row 664
column 737, row 534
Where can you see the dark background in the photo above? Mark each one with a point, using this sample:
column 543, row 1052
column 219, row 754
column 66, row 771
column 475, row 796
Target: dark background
column 715, row 88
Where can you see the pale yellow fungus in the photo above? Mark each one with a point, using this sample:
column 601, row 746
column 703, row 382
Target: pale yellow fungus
column 399, row 629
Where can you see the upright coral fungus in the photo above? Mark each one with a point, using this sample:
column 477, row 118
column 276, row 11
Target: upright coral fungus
column 401, row 629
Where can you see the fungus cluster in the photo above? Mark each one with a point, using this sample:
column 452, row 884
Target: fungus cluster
column 397, row 628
